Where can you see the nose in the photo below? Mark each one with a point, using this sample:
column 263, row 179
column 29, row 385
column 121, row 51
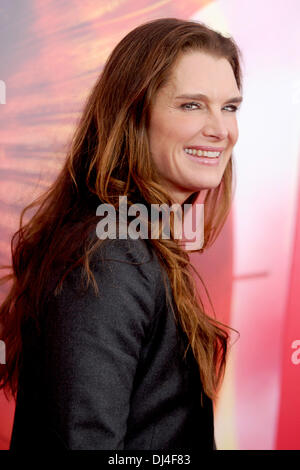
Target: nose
column 215, row 126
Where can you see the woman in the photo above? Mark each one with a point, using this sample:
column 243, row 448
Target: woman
column 132, row 361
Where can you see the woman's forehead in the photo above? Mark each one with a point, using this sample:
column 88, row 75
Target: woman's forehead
column 206, row 80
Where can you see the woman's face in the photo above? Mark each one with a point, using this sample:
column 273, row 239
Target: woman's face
column 179, row 122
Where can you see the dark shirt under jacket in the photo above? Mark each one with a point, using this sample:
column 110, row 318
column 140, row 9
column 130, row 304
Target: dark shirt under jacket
column 108, row 372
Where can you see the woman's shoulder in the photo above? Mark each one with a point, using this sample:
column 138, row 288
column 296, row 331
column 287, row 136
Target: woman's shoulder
column 129, row 281
column 134, row 252
column 126, row 248
column 133, row 263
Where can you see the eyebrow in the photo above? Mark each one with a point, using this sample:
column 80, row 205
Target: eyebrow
column 201, row 96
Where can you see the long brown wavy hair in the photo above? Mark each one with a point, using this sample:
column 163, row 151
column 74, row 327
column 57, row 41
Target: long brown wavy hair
column 109, row 156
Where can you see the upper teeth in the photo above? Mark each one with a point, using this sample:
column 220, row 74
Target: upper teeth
column 202, row 153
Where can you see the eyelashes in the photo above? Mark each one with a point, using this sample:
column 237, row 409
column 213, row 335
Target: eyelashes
column 234, row 108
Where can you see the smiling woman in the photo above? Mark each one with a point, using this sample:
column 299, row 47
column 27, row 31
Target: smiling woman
column 132, row 361
column 191, row 143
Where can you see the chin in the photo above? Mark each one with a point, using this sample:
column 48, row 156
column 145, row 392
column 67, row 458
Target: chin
column 208, row 184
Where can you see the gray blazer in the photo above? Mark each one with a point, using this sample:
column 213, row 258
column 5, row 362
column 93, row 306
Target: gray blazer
column 108, row 372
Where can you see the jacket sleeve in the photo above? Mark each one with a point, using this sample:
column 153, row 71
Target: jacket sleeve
column 93, row 344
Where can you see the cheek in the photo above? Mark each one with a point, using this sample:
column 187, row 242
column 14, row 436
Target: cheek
column 158, row 144
column 163, row 135
column 234, row 132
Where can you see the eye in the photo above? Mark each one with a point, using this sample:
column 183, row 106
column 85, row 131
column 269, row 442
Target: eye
column 189, row 107
column 234, row 109
column 184, row 106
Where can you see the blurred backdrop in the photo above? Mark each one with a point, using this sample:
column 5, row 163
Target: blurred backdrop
column 51, row 53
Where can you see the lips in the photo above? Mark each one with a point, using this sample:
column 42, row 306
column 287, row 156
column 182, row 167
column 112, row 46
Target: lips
column 201, row 147
column 202, row 153
column 210, row 161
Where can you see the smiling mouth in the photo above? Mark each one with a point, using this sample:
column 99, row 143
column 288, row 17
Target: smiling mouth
column 212, row 160
column 202, row 153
